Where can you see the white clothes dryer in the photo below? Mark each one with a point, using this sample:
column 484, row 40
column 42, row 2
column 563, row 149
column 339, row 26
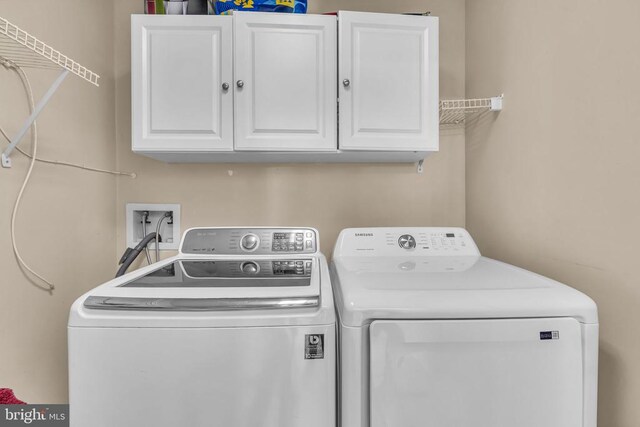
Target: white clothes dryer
column 237, row 330
column 432, row 334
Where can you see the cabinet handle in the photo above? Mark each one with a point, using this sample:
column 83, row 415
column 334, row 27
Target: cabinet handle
column 225, row 86
column 240, row 83
column 346, row 82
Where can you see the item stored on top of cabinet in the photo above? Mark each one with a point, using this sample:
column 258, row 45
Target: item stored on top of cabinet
column 198, row 7
column 154, row 7
column 191, row 7
column 261, row 87
column 225, row 7
column 176, row 7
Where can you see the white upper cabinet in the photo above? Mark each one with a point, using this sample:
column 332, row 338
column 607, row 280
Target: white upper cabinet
column 388, row 82
column 272, row 87
column 180, row 68
column 285, row 82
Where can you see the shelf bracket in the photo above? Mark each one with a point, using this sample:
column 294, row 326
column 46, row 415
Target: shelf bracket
column 496, row 103
column 420, row 167
column 6, row 160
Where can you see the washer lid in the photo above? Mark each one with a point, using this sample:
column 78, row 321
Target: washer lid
column 193, row 284
column 460, row 287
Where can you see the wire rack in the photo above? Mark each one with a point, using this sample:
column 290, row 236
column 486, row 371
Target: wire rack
column 458, row 111
column 21, row 48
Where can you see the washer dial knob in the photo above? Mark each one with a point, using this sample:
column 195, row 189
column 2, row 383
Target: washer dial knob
column 406, row 241
column 249, row 242
column 250, row 267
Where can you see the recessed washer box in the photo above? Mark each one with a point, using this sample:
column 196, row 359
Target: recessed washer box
column 169, row 229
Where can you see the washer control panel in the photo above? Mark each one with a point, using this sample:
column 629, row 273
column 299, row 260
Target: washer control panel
column 249, row 241
column 292, row 241
column 295, row 267
column 402, row 241
column 407, row 241
column 435, row 241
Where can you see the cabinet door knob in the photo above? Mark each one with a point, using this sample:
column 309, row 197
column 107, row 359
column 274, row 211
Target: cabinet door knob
column 240, row 83
column 225, row 86
column 346, row 82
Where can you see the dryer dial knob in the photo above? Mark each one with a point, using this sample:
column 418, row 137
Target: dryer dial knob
column 250, row 267
column 249, row 242
column 406, row 241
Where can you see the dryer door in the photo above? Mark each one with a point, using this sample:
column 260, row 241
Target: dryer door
column 480, row 373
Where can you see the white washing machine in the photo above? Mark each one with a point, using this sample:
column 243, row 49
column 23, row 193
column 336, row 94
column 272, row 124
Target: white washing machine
column 432, row 334
column 237, row 330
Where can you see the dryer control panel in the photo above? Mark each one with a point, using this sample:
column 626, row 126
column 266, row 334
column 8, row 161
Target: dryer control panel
column 401, row 241
column 250, row 241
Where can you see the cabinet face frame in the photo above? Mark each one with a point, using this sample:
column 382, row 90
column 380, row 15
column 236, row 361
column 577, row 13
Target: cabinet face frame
column 287, row 98
column 162, row 50
column 374, row 88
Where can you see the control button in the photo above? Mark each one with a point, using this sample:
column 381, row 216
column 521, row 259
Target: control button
column 249, row 242
column 308, row 264
column 309, row 244
column 406, row 241
column 250, row 267
column 309, row 234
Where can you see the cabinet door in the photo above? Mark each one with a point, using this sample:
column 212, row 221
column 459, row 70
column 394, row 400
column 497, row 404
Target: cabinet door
column 179, row 67
column 285, row 89
column 388, row 84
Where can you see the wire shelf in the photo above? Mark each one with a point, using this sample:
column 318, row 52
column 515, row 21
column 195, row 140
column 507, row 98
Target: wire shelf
column 21, row 48
column 458, row 111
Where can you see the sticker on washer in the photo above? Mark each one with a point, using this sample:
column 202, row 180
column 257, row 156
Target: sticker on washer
column 549, row 335
column 314, row 346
